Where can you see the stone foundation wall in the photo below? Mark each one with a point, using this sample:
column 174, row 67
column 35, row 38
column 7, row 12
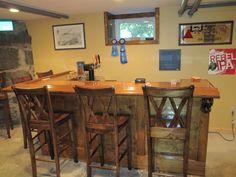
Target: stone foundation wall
column 16, row 59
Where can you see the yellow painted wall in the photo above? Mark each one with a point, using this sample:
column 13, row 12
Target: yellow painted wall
column 142, row 59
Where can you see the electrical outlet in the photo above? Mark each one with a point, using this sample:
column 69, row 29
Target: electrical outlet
column 233, row 115
column 233, row 120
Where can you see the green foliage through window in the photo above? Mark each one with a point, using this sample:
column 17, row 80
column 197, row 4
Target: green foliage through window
column 137, row 29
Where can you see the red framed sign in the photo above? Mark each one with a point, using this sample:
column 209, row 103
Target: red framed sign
column 222, row 61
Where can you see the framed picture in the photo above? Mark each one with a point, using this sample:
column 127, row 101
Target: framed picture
column 169, row 59
column 206, row 33
column 71, row 36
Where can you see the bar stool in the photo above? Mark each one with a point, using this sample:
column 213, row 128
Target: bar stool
column 4, row 105
column 168, row 118
column 44, row 74
column 99, row 108
column 17, row 80
column 56, row 130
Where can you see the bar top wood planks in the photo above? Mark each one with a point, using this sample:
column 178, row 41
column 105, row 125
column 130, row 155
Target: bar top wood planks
column 60, row 83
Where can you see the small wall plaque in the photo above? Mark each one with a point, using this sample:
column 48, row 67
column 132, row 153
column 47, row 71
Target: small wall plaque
column 169, row 59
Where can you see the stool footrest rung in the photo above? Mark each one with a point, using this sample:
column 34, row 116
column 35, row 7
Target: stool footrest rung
column 167, row 174
column 44, row 160
column 103, row 167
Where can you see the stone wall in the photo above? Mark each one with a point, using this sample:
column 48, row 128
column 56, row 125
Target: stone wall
column 16, row 58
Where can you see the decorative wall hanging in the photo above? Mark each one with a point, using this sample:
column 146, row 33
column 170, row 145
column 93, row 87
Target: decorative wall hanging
column 114, row 50
column 169, row 59
column 222, row 61
column 71, row 36
column 206, row 33
column 123, row 57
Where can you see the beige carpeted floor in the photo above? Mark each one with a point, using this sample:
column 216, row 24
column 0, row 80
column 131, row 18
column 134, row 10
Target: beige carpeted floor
column 15, row 161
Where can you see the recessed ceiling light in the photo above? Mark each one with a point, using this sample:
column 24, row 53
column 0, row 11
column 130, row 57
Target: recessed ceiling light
column 13, row 10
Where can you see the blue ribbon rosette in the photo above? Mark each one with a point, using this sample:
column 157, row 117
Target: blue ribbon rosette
column 114, row 50
column 123, row 57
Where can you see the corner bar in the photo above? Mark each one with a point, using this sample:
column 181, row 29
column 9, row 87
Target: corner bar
column 131, row 101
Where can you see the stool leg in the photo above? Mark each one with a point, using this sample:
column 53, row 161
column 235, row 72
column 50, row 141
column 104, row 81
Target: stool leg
column 56, row 153
column 11, row 122
column 32, row 153
column 87, row 150
column 150, row 166
column 24, row 135
column 9, row 113
column 117, row 153
column 129, row 146
column 23, row 129
column 48, row 138
column 7, row 118
column 73, row 140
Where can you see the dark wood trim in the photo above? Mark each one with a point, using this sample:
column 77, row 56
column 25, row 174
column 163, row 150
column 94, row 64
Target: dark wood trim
column 157, row 19
column 134, row 15
column 108, row 16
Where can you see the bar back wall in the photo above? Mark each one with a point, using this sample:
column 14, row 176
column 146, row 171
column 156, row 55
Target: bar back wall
column 143, row 60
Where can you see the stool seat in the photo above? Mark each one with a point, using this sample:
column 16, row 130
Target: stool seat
column 101, row 123
column 16, row 80
column 42, row 122
column 44, row 74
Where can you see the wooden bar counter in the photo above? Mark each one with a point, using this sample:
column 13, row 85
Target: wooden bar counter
column 130, row 101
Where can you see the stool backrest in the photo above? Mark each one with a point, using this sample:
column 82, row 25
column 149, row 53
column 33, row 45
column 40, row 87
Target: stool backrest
column 35, row 105
column 44, row 74
column 2, row 79
column 98, row 105
column 16, row 80
column 168, row 107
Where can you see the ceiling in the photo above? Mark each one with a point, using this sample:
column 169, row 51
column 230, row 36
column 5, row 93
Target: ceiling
column 72, row 7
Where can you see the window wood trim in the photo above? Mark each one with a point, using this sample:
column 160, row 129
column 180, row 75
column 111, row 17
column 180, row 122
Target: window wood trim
column 155, row 14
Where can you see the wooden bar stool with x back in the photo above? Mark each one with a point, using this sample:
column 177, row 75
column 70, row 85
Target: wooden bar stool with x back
column 99, row 107
column 24, row 78
column 16, row 80
column 4, row 104
column 168, row 115
column 44, row 74
column 44, row 126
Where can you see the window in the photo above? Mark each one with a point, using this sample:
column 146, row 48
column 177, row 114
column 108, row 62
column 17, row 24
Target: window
column 138, row 28
column 6, row 25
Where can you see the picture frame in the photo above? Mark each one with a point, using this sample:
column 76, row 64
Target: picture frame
column 69, row 36
column 170, row 59
column 206, row 33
